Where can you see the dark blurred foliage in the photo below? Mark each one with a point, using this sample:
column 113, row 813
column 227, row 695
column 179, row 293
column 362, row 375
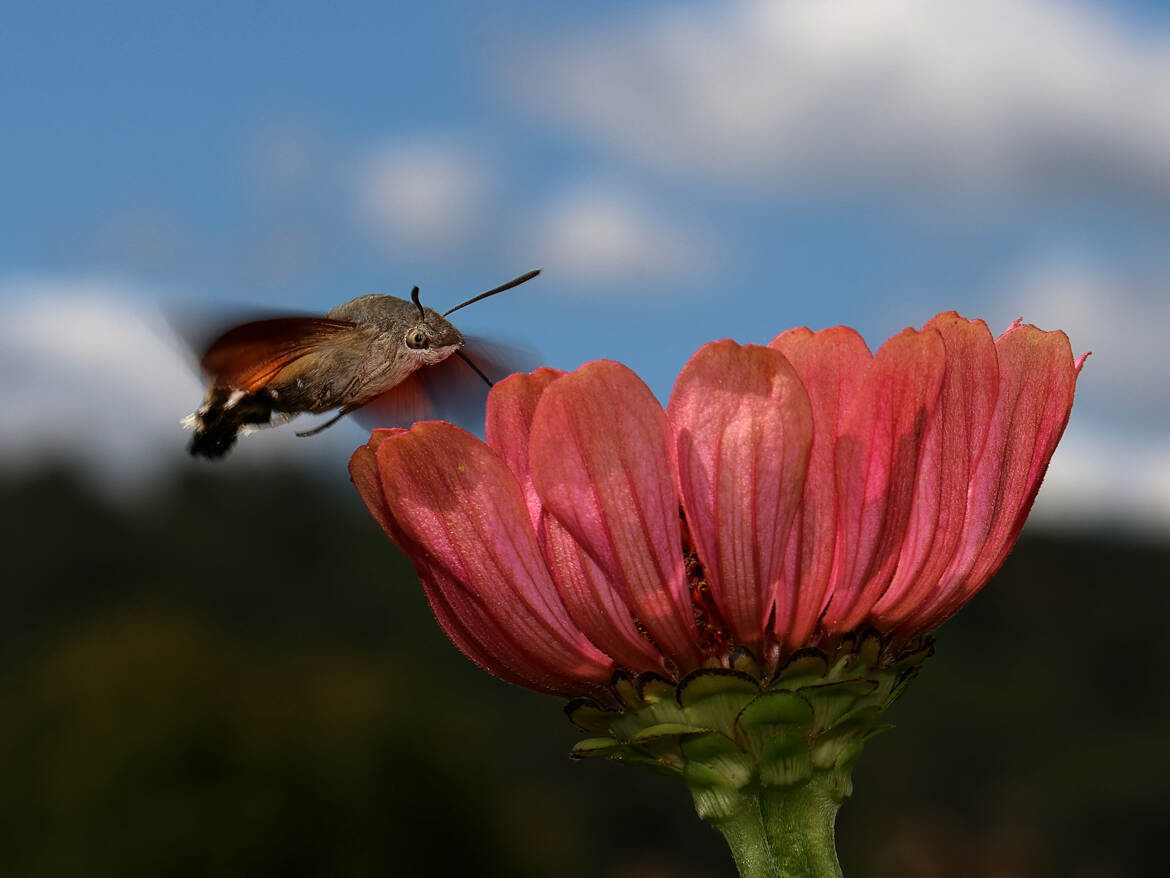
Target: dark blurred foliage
column 237, row 675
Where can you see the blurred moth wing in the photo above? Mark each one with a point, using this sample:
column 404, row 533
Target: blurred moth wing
column 251, row 356
column 451, row 390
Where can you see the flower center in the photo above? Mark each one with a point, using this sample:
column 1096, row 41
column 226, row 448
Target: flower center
column 714, row 637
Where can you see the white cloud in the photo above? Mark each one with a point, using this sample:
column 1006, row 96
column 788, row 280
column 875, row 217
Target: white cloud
column 1123, row 318
column 1020, row 94
column 1113, row 464
column 1100, row 476
column 282, row 156
column 420, row 194
column 94, row 376
column 1112, row 467
column 599, row 235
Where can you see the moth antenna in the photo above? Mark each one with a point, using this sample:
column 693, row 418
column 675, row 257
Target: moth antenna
column 418, row 304
column 512, row 283
column 476, row 368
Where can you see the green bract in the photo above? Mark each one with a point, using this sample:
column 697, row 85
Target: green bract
column 729, row 733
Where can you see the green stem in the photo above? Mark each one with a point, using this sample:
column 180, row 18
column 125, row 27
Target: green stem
column 784, row 833
column 749, row 842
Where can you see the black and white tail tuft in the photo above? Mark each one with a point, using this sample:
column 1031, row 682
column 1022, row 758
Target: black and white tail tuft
column 223, row 416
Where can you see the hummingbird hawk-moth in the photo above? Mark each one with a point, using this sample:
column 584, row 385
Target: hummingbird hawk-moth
column 372, row 348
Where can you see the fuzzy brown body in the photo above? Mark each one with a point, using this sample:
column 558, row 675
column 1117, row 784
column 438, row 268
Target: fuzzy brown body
column 356, row 366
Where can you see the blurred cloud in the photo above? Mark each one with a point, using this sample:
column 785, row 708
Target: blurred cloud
column 1122, row 317
column 143, row 236
column 599, row 235
column 1114, row 461
column 1100, row 474
column 95, row 377
column 283, row 155
column 421, row 194
column 1019, row 95
column 284, row 252
column 91, row 374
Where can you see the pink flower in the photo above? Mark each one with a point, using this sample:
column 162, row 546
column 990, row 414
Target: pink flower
column 788, row 495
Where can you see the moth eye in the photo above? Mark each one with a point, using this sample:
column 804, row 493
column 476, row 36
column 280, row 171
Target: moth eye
column 416, row 339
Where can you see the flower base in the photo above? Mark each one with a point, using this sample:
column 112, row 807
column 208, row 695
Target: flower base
column 767, row 757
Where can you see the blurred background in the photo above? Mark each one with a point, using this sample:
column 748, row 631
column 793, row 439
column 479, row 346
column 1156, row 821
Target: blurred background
column 226, row 669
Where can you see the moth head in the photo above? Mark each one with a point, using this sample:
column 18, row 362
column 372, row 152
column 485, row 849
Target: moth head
column 431, row 337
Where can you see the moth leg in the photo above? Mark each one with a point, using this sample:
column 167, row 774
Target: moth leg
column 341, row 414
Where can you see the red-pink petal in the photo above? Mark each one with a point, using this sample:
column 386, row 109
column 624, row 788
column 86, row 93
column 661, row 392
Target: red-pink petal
column 510, row 407
column 1037, row 379
column 363, row 468
column 831, row 364
column 741, row 428
column 463, row 521
column 877, row 460
column 950, row 452
column 481, row 638
column 363, row 472
column 593, row 602
column 588, row 595
column 600, row 466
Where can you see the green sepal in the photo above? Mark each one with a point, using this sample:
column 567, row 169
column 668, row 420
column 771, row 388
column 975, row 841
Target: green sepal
column 900, row 685
column 709, row 747
column 876, row 730
column 712, row 752
column 869, row 650
column 828, row 746
column 591, row 747
column 806, row 666
column 742, row 660
column 659, row 702
column 625, row 689
column 849, row 755
column 653, row 688
column 663, row 766
column 714, row 697
column 665, row 730
column 915, row 658
column 785, row 760
column 586, row 715
column 713, row 802
column 716, row 771
column 769, row 714
column 831, row 701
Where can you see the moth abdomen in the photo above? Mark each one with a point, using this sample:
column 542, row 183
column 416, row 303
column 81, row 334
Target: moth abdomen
column 224, row 415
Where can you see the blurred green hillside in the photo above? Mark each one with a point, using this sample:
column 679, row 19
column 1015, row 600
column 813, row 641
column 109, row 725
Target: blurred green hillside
column 238, row 675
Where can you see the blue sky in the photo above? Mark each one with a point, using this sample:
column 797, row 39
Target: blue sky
column 680, row 171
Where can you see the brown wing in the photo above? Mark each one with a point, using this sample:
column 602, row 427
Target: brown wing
column 449, row 391
column 249, row 356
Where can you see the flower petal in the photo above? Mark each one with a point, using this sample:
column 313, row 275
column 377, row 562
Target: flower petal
column 479, row 636
column 511, row 404
column 363, row 468
column 461, row 518
column 599, row 464
column 594, row 605
column 363, row 472
column 1037, row 380
column 950, row 452
column 741, row 428
column 593, row 602
column 877, row 460
column 831, row 364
